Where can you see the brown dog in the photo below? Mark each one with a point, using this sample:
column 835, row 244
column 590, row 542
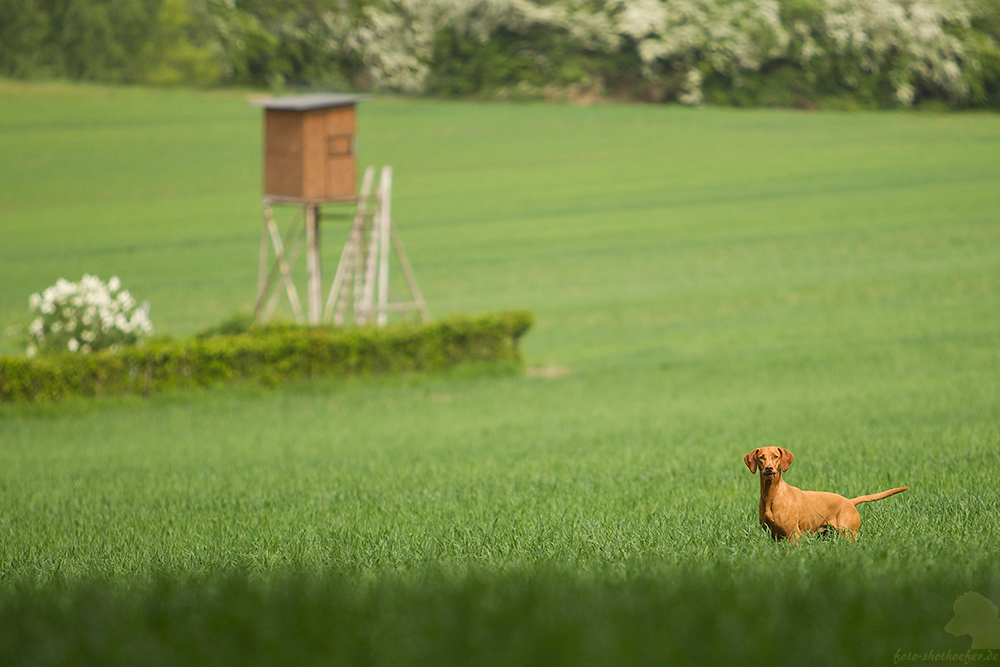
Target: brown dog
column 788, row 512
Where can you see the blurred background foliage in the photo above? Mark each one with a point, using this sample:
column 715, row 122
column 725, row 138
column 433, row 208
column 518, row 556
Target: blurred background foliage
column 787, row 53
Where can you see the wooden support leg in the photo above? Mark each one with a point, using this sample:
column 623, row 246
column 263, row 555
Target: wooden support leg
column 262, row 262
column 313, row 268
column 270, row 229
column 384, row 221
column 286, row 272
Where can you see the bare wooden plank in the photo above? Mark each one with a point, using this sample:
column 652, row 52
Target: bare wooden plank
column 364, row 309
column 286, row 272
column 349, row 262
column 262, row 314
column 313, row 264
column 384, row 222
column 262, row 262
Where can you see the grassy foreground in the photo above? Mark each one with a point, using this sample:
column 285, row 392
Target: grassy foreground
column 705, row 281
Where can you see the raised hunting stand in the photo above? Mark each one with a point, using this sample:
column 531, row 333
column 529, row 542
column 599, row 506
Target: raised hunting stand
column 309, row 162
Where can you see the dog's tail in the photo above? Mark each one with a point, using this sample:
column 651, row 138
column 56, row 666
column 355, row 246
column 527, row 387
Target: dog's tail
column 877, row 496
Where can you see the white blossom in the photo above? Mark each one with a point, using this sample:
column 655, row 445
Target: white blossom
column 394, row 39
column 641, row 19
column 692, row 95
column 914, row 45
column 905, row 93
column 909, row 40
column 86, row 316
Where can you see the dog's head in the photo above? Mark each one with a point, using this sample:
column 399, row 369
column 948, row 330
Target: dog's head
column 772, row 461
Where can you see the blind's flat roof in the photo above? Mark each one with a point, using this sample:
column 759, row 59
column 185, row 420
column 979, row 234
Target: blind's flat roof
column 310, row 102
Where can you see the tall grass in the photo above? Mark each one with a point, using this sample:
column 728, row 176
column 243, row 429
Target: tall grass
column 705, row 281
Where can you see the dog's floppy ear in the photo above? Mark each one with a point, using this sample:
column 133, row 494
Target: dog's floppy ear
column 751, row 461
column 786, row 459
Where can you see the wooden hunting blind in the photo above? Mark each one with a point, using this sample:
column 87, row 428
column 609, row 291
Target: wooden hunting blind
column 309, row 147
column 309, row 162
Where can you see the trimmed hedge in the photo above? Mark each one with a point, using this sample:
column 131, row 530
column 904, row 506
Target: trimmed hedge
column 266, row 355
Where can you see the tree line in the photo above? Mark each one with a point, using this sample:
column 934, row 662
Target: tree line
column 792, row 53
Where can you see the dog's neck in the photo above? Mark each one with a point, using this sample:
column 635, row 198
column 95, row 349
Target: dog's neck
column 769, row 486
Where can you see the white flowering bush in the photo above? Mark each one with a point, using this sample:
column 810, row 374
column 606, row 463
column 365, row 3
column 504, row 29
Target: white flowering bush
column 481, row 20
column 728, row 37
column 393, row 39
column 85, row 317
column 908, row 47
column 913, row 43
column 884, row 51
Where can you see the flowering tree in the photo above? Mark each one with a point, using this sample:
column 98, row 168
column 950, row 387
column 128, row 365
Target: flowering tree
column 85, row 317
column 915, row 44
column 728, row 37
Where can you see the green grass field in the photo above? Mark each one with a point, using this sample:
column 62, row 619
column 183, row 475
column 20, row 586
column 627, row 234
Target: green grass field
column 705, row 281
